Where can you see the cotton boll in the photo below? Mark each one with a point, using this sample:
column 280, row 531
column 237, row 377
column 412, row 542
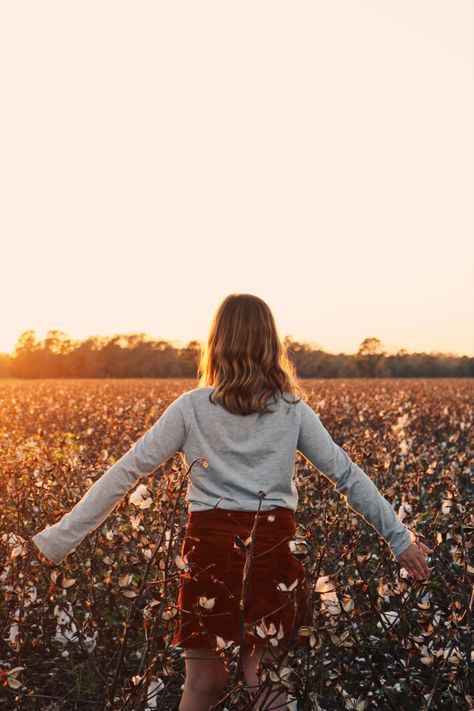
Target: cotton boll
column 13, row 635
column 91, row 642
column 328, row 594
column 139, row 497
column 390, row 618
column 154, row 688
column 66, row 635
column 401, row 512
column 446, row 505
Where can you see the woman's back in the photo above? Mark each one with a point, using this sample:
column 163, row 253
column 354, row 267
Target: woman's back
column 245, row 453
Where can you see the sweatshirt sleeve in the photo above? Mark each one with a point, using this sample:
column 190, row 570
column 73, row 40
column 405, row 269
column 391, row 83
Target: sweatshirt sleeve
column 165, row 438
column 359, row 491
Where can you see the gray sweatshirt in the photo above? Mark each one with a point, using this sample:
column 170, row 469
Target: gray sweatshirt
column 245, row 454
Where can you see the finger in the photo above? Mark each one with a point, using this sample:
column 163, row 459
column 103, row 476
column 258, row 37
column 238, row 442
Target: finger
column 414, row 568
column 421, row 575
column 424, row 565
column 405, row 563
column 46, row 560
column 409, row 568
column 421, row 568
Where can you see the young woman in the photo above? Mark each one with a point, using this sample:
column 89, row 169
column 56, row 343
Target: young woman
column 241, row 583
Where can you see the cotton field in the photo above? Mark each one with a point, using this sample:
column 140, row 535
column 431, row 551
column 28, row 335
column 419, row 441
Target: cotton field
column 95, row 632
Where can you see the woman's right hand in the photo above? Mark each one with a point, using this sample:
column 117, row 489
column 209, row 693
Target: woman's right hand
column 413, row 560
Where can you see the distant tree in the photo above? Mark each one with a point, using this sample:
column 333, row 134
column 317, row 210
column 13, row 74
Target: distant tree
column 194, row 345
column 189, row 359
column 137, row 355
column 25, row 363
column 5, row 365
column 26, row 342
column 57, row 342
column 371, row 358
column 371, row 346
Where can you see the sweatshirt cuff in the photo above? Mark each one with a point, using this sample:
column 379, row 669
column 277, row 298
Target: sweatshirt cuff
column 401, row 541
column 51, row 551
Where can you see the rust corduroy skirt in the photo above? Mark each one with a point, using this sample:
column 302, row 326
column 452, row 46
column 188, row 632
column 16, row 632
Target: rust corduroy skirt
column 258, row 597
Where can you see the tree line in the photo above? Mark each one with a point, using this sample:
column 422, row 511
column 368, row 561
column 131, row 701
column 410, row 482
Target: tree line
column 139, row 356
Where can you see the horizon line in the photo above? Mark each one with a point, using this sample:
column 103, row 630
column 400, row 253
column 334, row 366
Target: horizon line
column 180, row 343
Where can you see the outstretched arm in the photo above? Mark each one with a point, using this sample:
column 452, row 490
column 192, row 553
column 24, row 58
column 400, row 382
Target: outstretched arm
column 165, row 438
column 360, row 492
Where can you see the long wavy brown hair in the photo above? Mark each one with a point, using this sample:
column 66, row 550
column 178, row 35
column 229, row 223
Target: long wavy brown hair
column 244, row 359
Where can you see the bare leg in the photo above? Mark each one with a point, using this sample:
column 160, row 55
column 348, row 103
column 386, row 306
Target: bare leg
column 205, row 680
column 272, row 697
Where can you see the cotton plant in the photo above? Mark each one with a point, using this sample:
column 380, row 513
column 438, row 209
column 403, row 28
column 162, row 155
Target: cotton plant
column 446, row 503
column 328, row 595
column 140, row 497
column 404, row 509
column 390, row 618
column 399, row 429
column 270, row 632
column 155, row 687
column 66, row 629
column 9, row 676
column 13, row 638
column 16, row 544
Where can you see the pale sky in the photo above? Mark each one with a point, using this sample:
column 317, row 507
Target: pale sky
column 155, row 157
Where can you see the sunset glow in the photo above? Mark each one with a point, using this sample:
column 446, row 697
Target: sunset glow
column 319, row 156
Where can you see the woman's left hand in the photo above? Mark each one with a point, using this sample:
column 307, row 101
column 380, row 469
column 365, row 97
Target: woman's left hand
column 413, row 560
column 43, row 558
